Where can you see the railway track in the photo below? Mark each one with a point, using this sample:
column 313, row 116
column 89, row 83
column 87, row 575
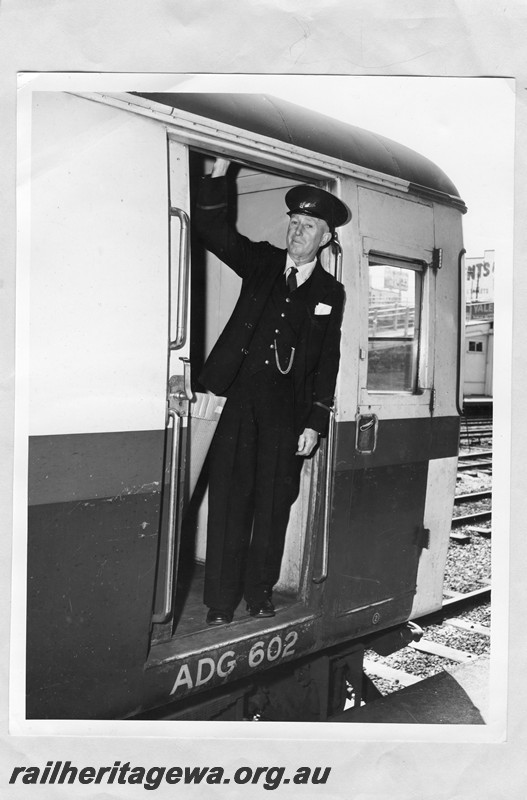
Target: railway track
column 476, row 429
column 479, row 509
column 473, row 518
column 475, row 461
column 472, row 497
column 453, row 635
column 475, row 434
column 473, row 509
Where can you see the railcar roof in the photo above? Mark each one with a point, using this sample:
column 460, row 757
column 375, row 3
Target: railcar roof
column 287, row 122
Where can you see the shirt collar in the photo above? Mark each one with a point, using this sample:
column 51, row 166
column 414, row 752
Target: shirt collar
column 304, row 271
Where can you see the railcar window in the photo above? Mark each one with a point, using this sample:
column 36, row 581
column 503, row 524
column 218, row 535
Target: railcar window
column 394, row 304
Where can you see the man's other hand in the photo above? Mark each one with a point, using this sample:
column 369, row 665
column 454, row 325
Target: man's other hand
column 220, row 167
column 307, row 441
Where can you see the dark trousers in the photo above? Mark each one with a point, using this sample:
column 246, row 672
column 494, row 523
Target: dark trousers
column 254, row 480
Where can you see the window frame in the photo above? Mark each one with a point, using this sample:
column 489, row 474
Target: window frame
column 397, row 255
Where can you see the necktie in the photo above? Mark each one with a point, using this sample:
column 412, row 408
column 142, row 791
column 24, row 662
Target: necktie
column 291, row 279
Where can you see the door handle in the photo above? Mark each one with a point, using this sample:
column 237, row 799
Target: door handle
column 179, row 398
column 180, row 390
column 366, row 427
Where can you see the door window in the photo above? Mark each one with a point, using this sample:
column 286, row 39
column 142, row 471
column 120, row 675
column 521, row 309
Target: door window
column 394, row 324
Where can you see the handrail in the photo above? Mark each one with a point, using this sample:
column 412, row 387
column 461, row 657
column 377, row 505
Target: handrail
column 172, row 544
column 461, row 311
column 327, row 493
column 328, row 477
column 183, row 278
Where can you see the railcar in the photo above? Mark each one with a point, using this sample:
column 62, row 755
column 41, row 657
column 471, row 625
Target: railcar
column 125, row 305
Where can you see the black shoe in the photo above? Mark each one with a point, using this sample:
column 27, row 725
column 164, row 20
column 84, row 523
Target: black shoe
column 217, row 617
column 261, row 610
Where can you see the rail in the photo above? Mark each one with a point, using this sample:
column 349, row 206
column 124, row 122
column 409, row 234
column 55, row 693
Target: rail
column 183, row 272
column 328, row 476
column 168, row 592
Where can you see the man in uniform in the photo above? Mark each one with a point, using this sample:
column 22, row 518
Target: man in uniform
column 276, row 361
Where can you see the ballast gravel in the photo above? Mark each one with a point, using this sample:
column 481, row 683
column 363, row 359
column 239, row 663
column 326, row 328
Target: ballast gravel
column 468, row 568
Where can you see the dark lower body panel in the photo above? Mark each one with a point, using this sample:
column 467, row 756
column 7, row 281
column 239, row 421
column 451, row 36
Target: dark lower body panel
column 92, row 566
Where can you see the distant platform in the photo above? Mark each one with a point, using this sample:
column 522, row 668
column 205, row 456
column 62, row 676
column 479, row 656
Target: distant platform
column 478, row 406
column 477, row 400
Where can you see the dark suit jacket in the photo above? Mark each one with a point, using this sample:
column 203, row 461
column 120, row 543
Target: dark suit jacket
column 259, row 264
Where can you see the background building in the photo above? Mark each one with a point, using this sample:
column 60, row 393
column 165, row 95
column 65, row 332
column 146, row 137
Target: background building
column 479, row 326
column 479, row 286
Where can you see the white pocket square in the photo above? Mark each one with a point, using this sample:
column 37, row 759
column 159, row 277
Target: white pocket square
column 322, row 308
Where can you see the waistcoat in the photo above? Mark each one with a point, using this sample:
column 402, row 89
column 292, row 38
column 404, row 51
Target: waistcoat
column 278, row 328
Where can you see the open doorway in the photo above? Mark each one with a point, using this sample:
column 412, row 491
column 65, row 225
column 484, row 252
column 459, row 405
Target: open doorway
column 259, row 212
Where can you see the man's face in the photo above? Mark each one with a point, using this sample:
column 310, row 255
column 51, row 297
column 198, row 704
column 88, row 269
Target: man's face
column 305, row 235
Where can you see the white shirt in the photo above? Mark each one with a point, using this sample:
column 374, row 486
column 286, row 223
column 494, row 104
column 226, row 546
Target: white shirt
column 304, row 271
